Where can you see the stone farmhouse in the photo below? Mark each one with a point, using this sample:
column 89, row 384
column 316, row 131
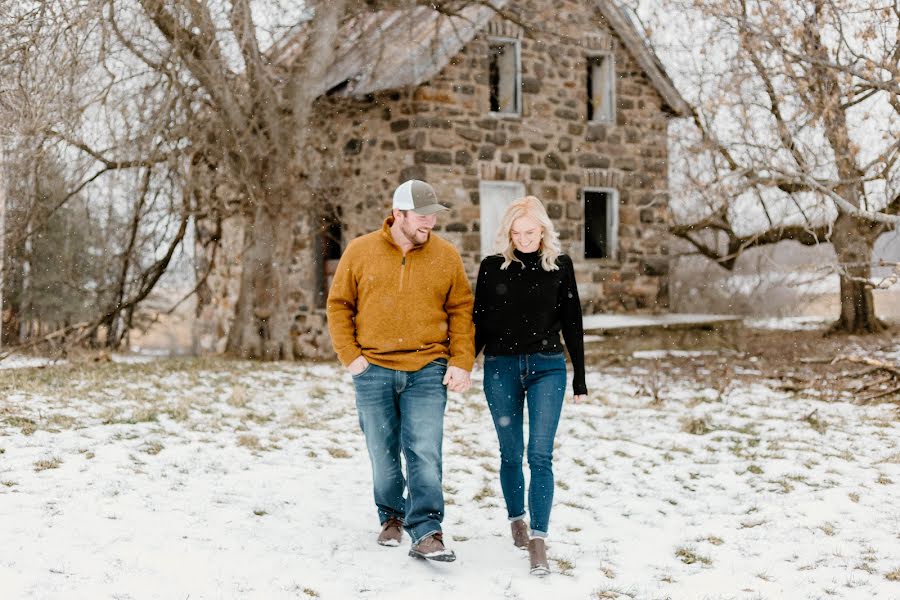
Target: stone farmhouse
column 567, row 103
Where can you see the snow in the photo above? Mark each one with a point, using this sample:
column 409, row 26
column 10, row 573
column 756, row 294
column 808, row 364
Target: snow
column 790, row 323
column 659, row 354
column 623, row 321
column 240, row 480
column 24, row 362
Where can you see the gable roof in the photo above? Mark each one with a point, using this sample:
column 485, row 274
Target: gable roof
column 395, row 49
column 622, row 24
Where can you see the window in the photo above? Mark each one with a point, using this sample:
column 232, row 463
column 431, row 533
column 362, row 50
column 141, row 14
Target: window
column 601, row 223
column 504, row 76
column 601, row 87
column 494, row 197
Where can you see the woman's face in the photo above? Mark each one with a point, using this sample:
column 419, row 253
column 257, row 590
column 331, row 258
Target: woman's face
column 526, row 234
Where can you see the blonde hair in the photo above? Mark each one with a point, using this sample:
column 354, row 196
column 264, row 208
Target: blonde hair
column 529, row 206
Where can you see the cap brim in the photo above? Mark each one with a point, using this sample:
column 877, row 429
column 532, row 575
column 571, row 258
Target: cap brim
column 430, row 209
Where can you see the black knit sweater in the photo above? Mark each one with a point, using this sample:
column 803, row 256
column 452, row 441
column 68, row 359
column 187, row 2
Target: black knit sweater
column 523, row 309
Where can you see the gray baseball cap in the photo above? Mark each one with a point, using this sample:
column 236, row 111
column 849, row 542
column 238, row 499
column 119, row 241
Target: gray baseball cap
column 417, row 196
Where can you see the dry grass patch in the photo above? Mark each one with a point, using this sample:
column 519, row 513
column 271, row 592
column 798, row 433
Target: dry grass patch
column 300, row 418
column 238, row 398
column 47, row 463
column 866, row 567
column 564, row 566
column 893, row 575
column 113, row 415
column 336, row 452
column 613, row 593
column 257, row 418
column 317, row 392
column 61, row 421
column 689, row 556
column 485, row 492
column 712, row 539
column 818, row 425
column 696, row 426
column 28, row 426
column 152, row 448
column 249, row 441
column 180, row 412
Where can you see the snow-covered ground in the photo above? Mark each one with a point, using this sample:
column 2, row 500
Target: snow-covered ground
column 24, row 362
column 213, row 479
column 790, row 323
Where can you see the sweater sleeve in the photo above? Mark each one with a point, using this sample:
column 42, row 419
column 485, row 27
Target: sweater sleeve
column 341, row 309
column 459, row 319
column 479, row 313
column 572, row 327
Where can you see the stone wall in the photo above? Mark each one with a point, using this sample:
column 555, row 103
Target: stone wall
column 443, row 132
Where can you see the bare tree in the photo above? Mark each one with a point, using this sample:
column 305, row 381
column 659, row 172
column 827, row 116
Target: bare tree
column 191, row 97
column 795, row 132
column 90, row 182
column 251, row 119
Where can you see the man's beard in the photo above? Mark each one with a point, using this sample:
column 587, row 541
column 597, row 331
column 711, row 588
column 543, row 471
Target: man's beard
column 411, row 236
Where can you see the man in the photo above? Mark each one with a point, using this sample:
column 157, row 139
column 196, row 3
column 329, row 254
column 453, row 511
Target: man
column 400, row 319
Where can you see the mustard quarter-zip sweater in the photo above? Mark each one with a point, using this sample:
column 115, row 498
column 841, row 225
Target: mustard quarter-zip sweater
column 401, row 312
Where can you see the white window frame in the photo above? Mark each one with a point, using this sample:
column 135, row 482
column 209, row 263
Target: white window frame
column 516, row 43
column 515, row 189
column 610, row 68
column 612, row 221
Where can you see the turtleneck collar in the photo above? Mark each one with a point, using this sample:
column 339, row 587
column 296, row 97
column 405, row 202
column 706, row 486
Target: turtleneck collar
column 529, row 258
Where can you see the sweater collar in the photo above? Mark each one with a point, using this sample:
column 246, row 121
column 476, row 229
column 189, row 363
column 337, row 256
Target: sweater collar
column 528, row 258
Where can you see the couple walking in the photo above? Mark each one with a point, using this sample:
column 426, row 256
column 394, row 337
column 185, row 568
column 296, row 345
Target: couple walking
column 405, row 325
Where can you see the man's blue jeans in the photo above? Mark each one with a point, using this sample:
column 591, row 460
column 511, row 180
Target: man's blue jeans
column 508, row 381
column 403, row 411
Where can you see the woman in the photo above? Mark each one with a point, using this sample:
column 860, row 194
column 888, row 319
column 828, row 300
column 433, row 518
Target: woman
column 525, row 296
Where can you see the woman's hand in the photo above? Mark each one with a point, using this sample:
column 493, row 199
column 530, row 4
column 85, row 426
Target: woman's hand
column 579, row 398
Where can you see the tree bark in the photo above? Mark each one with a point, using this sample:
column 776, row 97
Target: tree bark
column 262, row 323
column 853, row 241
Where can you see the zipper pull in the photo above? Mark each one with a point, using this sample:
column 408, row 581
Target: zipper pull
column 403, row 261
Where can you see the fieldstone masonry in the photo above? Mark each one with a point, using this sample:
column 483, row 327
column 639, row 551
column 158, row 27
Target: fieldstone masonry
column 443, row 132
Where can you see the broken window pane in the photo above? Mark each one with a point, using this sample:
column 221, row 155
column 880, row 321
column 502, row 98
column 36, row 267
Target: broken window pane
column 504, row 77
column 601, row 88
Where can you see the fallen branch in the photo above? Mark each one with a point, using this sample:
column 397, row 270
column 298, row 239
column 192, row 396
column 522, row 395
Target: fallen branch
column 891, row 368
column 870, row 397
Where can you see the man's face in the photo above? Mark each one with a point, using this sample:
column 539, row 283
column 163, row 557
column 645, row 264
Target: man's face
column 415, row 227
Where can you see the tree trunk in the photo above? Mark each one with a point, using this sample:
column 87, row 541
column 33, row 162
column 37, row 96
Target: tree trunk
column 853, row 240
column 261, row 327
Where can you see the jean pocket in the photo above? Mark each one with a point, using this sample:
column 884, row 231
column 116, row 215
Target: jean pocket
column 551, row 355
column 363, row 372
